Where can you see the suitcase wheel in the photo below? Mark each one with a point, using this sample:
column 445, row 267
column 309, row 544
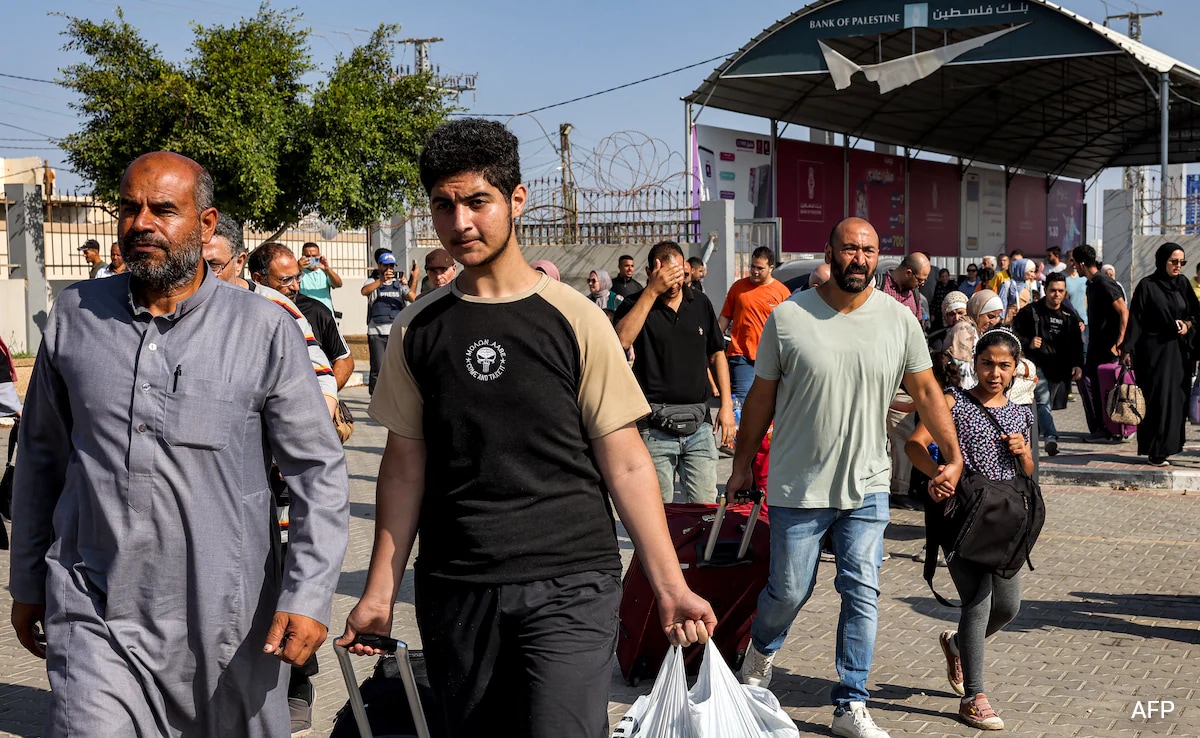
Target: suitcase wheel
column 636, row 672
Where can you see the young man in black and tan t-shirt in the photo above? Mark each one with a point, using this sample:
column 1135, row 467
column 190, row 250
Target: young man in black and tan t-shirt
column 512, row 419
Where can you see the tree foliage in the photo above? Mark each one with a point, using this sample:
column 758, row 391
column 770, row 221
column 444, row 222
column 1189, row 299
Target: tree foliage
column 278, row 148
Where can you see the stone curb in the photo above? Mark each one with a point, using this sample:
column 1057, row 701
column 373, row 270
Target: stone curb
column 1147, row 478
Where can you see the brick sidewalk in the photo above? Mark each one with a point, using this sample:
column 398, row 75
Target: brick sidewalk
column 1111, row 616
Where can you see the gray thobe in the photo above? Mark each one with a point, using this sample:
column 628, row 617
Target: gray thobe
column 143, row 517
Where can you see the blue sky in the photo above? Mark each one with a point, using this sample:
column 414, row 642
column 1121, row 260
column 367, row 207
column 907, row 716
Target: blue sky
column 527, row 55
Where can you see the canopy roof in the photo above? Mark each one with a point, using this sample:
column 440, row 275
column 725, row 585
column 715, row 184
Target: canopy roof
column 1024, row 84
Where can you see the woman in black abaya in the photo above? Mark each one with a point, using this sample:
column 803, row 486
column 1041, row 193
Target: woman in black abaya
column 1162, row 319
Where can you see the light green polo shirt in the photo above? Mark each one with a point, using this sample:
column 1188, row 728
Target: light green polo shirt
column 837, row 375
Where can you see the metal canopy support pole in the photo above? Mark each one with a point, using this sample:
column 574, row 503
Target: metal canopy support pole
column 1164, row 101
column 689, row 166
column 774, row 170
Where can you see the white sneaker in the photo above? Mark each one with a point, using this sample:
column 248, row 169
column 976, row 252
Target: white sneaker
column 756, row 667
column 856, row 722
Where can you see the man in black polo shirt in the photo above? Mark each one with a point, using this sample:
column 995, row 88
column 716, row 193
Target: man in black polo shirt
column 676, row 339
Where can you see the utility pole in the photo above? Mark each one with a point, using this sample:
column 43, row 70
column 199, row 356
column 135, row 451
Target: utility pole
column 1133, row 176
column 570, row 205
column 458, row 83
column 421, row 46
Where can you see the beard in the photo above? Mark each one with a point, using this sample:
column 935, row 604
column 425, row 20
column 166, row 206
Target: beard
column 852, row 279
column 176, row 269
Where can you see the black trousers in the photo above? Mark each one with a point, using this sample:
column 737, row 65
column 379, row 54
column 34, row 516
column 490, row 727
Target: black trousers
column 532, row 660
column 377, row 346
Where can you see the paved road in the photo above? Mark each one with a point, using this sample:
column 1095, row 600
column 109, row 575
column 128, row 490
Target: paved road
column 1111, row 617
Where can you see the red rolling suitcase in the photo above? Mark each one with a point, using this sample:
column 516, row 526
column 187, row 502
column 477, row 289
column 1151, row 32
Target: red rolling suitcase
column 724, row 551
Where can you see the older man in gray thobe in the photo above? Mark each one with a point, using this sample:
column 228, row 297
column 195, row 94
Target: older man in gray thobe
column 143, row 520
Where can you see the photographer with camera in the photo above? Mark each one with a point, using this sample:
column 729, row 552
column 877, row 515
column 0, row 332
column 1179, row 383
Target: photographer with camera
column 318, row 278
column 386, row 297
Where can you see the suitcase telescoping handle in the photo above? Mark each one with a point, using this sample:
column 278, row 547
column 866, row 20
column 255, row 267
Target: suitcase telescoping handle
column 742, row 496
column 392, row 646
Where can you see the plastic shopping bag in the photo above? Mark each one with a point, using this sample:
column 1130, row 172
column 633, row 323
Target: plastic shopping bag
column 716, row 707
column 1194, row 403
column 664, row 712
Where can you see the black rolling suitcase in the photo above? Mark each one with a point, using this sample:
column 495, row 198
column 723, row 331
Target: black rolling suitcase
column 394, row 702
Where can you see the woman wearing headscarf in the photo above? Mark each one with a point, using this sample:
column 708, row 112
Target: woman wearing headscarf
column 1021, row 289
column 600, row 291
column 1159, row 344
column 954, row 309
column 983, row 312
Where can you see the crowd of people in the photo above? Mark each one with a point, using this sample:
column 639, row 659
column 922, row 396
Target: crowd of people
column 147, row 565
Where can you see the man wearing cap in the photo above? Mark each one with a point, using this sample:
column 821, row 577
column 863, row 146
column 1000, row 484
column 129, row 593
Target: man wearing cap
column 91, row 254
column 439, row 272
column 386, row 297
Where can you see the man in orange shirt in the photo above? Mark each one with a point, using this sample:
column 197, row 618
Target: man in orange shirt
column 749, row 302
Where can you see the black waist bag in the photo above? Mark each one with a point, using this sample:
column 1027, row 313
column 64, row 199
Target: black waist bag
column 678, row 420
column 993, row 524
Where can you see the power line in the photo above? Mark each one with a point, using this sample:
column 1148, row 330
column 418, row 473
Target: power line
column 27, row 130
column 29, row 79
column 594, row 94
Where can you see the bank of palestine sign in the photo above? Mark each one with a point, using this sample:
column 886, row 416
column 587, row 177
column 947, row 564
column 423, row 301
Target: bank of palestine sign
column 828, row 40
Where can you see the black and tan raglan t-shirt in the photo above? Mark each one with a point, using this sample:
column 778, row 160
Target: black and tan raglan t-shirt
column 507, row 394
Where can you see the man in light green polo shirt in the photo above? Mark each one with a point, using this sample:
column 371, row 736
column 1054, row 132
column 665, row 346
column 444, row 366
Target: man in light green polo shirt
column 829, row 362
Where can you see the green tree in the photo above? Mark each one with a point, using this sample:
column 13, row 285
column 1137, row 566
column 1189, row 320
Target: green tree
column 344, row 148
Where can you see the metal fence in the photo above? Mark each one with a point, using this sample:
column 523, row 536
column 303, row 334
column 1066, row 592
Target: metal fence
column 558, row 214
column 71, row 221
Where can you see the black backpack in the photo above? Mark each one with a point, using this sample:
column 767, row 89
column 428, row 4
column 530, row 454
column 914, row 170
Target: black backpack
column 991, row 523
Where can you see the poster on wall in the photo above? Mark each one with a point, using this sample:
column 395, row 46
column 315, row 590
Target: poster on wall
column 983, row 212
column 734, row 165
column 1064, row 214
column 933, row 207
column 812, row 193
column 876, row 186
column 1027, row 214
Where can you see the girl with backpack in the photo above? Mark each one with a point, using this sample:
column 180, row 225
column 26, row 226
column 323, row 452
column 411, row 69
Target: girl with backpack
column 989, row 601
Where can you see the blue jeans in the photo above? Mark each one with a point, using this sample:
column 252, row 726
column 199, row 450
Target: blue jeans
column 795, row 553
column 1041, row 396
column 741, row 375
column 694, row 457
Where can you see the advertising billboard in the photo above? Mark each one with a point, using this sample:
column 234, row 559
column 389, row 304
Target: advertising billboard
column 876, row 186
column 983, row 212
column 933, row 207
column 735, row 165
column 1027, row 214
column 812, row 193
column 1064, row 214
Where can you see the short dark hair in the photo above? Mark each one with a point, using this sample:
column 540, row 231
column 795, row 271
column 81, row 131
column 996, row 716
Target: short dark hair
column 623, row 257
column 1016, row 254
column 945, row 369
column 764, row 252
column 661, row 251
column 1056, row 277
column 1085, row 256
column 1054, row 250
column 696, row 261
column 230, row 230
column 261, row 257
column 944, row 271
column 976, row 266
column 314, row 244
column 483, row 147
